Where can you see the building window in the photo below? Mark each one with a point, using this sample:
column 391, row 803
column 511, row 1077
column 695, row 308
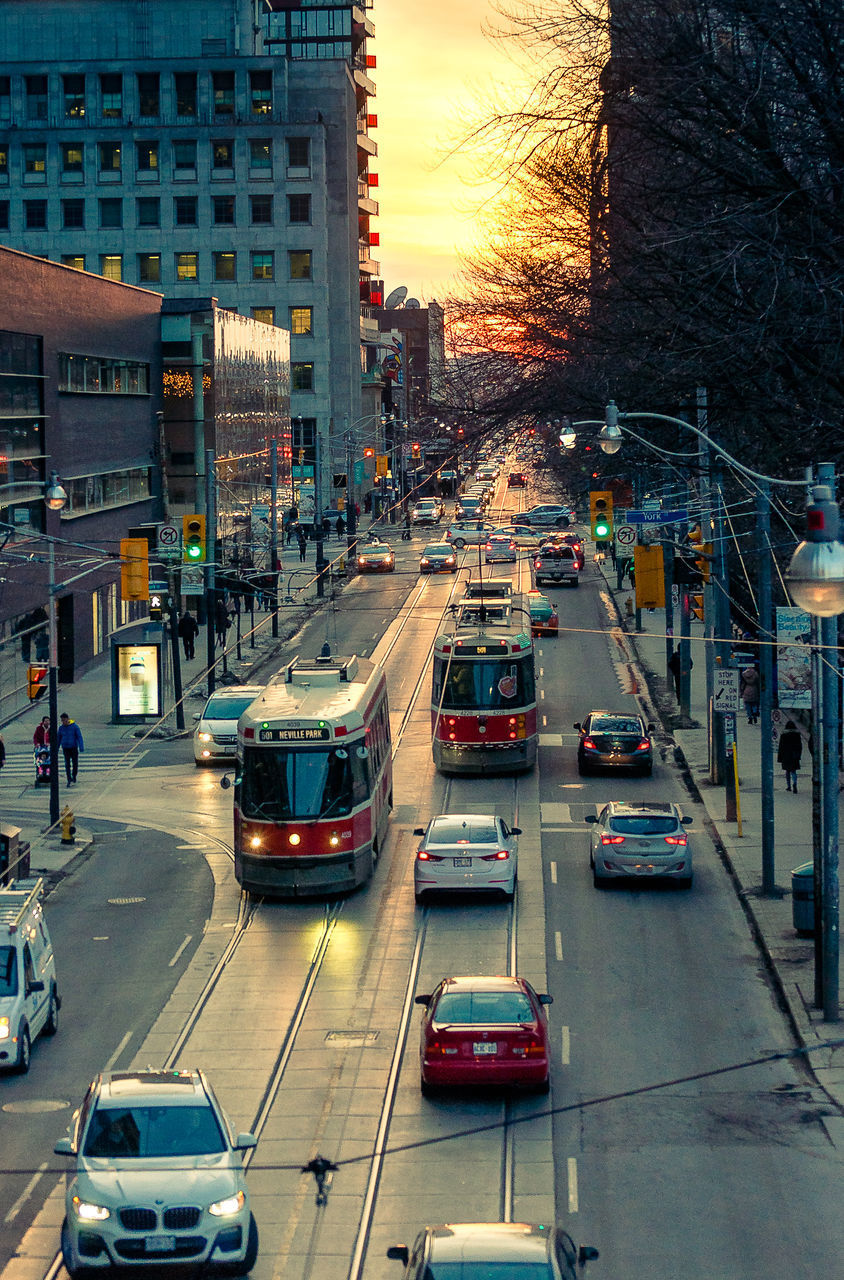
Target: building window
column 36, row 97
column 298, row 153
column 149, row 268
column 75, row 260
column 35, row 157
column 111, row 95
column 261, row 210
column 101, row 374
column 223, row 82
column 4, row 215
column 110, row 489
column 109, row 156
column 301, row 320
column 262, row 266
column 261, row 92
column 148, row 94
column 4, row 159
column 111, row 213
column 73, row 88
column 148, row 211
column 302, row 376
column 111, row 266
column 73, row 215
column 224, row 266
column 222, row 208
column 185, row 85
column 186, row 266
column 300, row 264
column 222, row 154
column 266, row 315
column 184, row 156
column 184, row 211
column 260, row 156
column 73, row 155
column 147, row 156
column 299, row 208
column 35, row 215
column 5, row 99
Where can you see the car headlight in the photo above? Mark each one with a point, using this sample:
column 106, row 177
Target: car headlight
column 231, row 1204
column 425, row 560
column 88, row 1212
column 205, row 737
column 5, row 1030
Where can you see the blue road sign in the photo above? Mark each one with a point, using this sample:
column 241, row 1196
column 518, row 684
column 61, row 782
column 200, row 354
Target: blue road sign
column 657, row 517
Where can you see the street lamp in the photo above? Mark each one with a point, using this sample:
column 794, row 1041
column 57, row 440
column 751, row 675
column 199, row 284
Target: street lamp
column 55, row 497
column 816, row 574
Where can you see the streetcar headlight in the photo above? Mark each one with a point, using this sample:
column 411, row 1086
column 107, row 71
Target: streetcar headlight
column 231, row 1204
column 255, row 842
column 89, row 1212
column 294, row 838
column 334, row 841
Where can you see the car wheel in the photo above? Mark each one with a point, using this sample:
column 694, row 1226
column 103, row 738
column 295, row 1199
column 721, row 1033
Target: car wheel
column 544, row 1087
column 460, row 543
column 647, row 771
column 24, row 1053
column 575, row 582
column 598, row 881
column 51, row 1026
column 582, row 767
column 684, row 882
column 427, row 1090
column 561, row 523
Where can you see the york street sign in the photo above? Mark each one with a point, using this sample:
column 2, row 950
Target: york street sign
column 657, row 517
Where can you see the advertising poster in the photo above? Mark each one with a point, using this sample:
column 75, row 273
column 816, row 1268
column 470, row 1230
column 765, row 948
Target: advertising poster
column 794, row 659
column 137, row 680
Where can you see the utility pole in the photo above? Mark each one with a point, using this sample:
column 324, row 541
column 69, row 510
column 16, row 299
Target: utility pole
column 351, row 510
column 830, row 726
column 318, row 508
column 273, row 534
column 766, row 682
column 210, row 554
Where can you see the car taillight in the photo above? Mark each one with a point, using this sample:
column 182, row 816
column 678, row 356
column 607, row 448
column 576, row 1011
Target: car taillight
column 424, row 856
column 436, row 1049
column 675, row 839
column 612, row 839
column 589, row 742
column 532, row 1048
column 644, row 744
column 500, row 856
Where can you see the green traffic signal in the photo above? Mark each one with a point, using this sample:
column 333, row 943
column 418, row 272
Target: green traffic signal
column 602, row 529
column 194, row 552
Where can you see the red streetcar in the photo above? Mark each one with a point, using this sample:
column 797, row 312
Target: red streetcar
column 314, row 788
column 483, row 697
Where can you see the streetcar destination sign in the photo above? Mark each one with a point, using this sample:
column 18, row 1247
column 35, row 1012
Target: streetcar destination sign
column 294, row 735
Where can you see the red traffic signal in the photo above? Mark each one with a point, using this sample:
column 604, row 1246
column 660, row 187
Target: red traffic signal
column 369, row 453
column 36, row 677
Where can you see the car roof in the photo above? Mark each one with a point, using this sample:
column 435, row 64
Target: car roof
column 490, row 1241
column 440, row 546
column 479, row 982
column 621, row 715
column 465, row 817
column 377, row 546
column 235, row 691
column 657, row 808
column 173, row 1088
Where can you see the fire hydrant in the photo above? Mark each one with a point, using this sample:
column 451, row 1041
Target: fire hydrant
column 628, row 604
column 68, row 827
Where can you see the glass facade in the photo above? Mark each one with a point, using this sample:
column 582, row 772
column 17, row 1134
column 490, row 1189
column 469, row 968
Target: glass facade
column 21, row 426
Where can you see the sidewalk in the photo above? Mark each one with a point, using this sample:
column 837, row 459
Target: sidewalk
column 790, row 957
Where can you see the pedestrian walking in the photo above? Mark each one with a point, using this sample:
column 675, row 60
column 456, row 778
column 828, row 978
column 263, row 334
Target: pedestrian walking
column 406, row 534
column 188, row 630
column 789, row 751
column 70, row 740
column 2, row 751
column 749, row 691
column 340, row 526
column 222, row 621
column 41, row 737
column 303, row 545
column 675, row 667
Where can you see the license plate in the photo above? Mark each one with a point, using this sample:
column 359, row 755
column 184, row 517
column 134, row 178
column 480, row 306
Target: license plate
column 462, row 862
column 160, row 1244
column 484, row 1046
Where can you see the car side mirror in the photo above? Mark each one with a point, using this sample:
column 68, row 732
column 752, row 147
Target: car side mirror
column 34, row 986
column 64, row 1147
column 687, row 820
column 546, row 999
column 244, row 1141
column 197, row 715
column 400, row 1252
column 591, row 817
column 515, row 831
column 651, row 728
column 225, row 782
column 577, row 725
column 419, row 831
column 422, row 999
column 587, row 1253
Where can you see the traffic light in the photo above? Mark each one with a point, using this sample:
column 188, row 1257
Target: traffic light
column 36, row 675
column 134, row 569
column 369, row 453
column 600, row 511
column 703, row 551
column 696, row 605
column 416, row 449
column 156, row 606
column 194, row 548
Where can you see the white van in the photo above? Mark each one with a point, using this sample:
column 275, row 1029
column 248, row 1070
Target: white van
column 29, row 998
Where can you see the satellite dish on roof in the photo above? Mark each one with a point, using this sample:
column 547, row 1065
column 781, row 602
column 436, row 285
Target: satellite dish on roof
column 397, row 297
column 413, row 303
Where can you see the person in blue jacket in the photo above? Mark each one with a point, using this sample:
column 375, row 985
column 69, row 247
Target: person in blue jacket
column 70, row 741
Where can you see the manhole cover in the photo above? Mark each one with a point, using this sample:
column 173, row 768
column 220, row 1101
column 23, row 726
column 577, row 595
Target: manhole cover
column 35, row 1106
column 124, row 902
column 351, row 1038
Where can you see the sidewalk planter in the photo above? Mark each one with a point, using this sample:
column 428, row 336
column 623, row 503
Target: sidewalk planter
column 803, row 899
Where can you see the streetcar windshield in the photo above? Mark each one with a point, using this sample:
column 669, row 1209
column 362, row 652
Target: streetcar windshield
column 281, row 783
column 488, row 686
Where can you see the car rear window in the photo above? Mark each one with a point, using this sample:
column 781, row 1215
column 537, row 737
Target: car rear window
column 484, row 1006
column 616, row 724
column 153, row 1131
column 643, row 826
column 463, row 833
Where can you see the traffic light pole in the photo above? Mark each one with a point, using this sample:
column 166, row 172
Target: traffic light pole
column 210, row 553
column 53, row 693
column 273, row 533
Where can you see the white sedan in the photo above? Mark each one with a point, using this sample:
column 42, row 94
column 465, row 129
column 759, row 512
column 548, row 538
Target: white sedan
column 523, row 535
column 467, row 852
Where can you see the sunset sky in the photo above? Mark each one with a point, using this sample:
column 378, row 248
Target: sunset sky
column 434, row 67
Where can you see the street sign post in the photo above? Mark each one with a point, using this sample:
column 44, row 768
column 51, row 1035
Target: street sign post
column 725, row 696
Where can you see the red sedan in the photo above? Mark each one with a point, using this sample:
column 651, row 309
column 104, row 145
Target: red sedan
column 485, row 1031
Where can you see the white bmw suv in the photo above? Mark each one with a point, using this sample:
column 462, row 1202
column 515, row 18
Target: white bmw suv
column 158, row 1179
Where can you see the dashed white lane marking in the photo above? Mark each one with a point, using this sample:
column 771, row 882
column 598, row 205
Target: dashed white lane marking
column 26, row 1193
column 553, row 873
column 542, row 671
column 566, row 1046
column 571, row 1166
column 558, row 944
column 175, row 959
column 544, row 721
column 118, row 1051
column 542, row 693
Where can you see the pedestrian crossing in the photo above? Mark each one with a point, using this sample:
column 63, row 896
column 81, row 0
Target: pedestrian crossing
column 22, row 767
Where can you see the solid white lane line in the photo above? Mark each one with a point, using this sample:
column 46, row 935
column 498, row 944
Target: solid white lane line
column 558, row 944
column 571, row 1165
column 566, row 1054
column 175, row 959
column 118, row 1051
column 553, row 873
column 25, row 1194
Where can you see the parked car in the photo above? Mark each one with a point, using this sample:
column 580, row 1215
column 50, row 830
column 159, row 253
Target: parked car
column 500, row 547
column 215, row 735
column 646, row 841
column 480, row 1250
column 485, row 1031
column 376, row 557
column 556, row 565
column 158, row 1177
column 468, row 533
column 29, row 993
column 468, row 852
column 614, row 740
column 438, row 557
column 544, row 619
column 516, row 480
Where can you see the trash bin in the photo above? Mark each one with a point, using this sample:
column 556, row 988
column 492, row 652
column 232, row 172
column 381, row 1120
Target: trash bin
column 803, row 899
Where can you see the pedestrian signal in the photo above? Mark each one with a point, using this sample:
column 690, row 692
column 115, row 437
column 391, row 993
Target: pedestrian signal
column 134, row 569
column 696, row 604
column 193, row 539
column 156, row 606
column 600, row 511
column 36, row 677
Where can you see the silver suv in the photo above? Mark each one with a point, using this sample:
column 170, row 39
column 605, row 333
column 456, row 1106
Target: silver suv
column 158, row 1178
